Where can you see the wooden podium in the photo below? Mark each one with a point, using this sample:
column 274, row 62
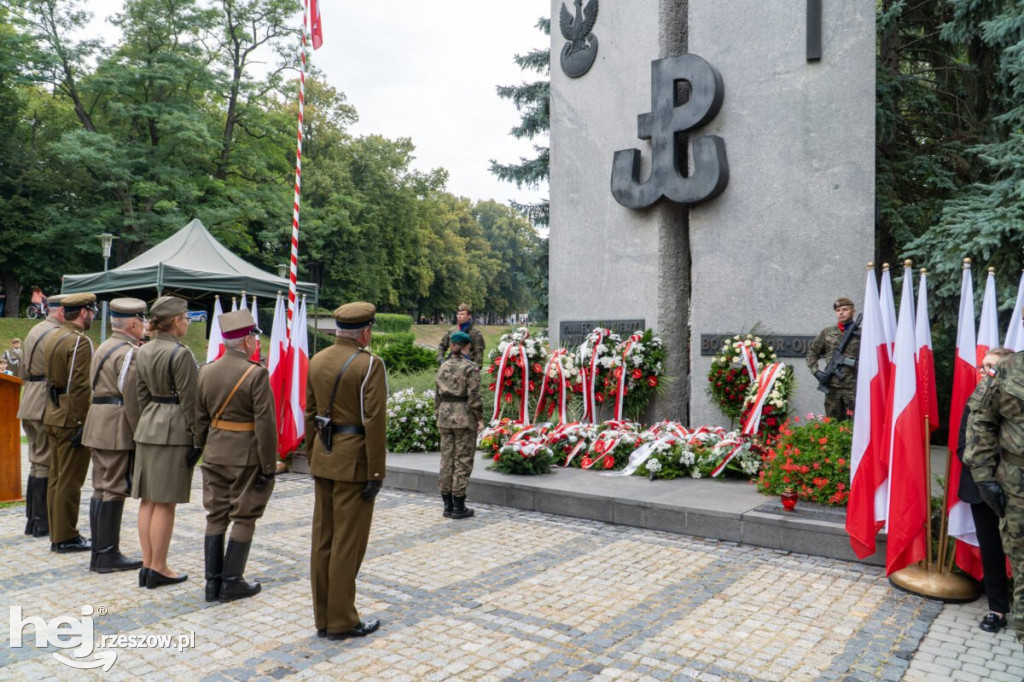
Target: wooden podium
column 10, row 438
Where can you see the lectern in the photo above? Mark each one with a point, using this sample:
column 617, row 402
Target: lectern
column 10, row 438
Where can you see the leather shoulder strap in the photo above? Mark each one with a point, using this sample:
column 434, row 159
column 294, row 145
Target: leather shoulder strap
column 227, row 401
column 337, row 380
column 103, row 360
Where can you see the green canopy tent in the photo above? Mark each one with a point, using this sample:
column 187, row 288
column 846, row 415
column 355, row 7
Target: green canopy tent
column 190, row 263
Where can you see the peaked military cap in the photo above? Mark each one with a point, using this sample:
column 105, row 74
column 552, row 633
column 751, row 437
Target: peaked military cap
column 127, row 307
column 73, row 302
column 355, row 315
column 237, row 324
column 166, row 307
column 55, row 301
column 841, row 301
column 461, row 337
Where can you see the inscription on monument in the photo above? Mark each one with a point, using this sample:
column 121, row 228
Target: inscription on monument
column 785, row 345
column 571, row 333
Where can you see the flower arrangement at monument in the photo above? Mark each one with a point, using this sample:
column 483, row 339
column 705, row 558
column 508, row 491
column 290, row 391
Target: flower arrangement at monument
column 596, row 360
column 744, row 378
column 526, row 453
column 494, row 437
column 412, row 426
column 636, row 375
column 812, row 458
column 612, row 446
column 559, row 379
column 514, row 369
column 670, row 450
column 570, row 441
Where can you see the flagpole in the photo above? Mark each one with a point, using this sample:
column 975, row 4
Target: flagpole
column 294, row 258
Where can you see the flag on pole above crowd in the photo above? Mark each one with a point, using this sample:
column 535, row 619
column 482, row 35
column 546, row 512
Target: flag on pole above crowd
column 888, row 310
column 316, row 28
column 1015, row 329
column 988, row 325
column 255, row 357
column 215, row 346
column 291, row 424
column 925, row 359
column 278, row 351
column 869, row 463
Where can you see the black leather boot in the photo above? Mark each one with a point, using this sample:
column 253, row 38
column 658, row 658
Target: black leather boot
column 40, row 518
column 29, row 485
column 94, row 513
column 233, row 585
column 213, row 549
column 106, row 542
column 459, row 508
column 447, row 497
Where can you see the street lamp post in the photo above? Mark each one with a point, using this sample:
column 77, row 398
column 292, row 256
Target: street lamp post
column 106, row 240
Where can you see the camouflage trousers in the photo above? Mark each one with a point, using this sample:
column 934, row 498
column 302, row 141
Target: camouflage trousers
column 839, row 403
column 457, row 449
column 1011, row 527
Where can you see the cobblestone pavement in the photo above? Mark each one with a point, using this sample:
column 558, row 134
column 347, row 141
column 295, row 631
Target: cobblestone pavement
column 507, row 595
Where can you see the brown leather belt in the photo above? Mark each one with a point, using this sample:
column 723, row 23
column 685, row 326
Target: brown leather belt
column 356, row 429
column 452, row 398
column 109, row 400
column 164, row 399
column 225, row 425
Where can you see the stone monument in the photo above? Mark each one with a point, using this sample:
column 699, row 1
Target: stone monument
column 771, row 216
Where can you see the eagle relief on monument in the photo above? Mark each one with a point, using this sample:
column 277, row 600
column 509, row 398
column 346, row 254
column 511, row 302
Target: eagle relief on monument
column 579, row 53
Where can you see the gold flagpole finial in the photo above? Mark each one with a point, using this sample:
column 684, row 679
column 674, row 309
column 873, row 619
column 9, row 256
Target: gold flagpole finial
column 908, row 263
column 885, row 266
column 967, row 263
column 991, row 271
column 871, row 265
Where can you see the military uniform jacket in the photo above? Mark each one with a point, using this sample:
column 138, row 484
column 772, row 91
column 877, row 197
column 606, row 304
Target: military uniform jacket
column 67, row 356
column 112, row 426
column 166, row 423
column 459, row 378
column 253, row 402
column 824, row 347
column 997, row 420
column 476, row 349
column 361, row 399
column 33, row 395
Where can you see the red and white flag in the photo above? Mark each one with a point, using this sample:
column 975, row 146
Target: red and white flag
column 255, row 357
column 1015, row 330
column 869, row 465
column 965, row 378
column 292, row 424
column 908, row 494
column 234, row 304
column 278, row 352
column 888, row 310
column 316, row 28
column 988, row 325
column 925, row 359
column 215, row 346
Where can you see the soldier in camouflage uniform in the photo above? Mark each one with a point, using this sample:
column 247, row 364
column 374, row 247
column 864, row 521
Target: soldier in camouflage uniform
column 995, row 455
column 464, row 317
column 839, row 401
column 459, row 417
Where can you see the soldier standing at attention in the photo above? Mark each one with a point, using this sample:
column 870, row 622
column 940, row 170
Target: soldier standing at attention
column 346, row 442
column 237, row 429
column 165, row 439
column 67, row 356
column 459, row 416
column 995, row 455
column 110, row 432
column 842, row 390
column 464, row 317
column 30, row 412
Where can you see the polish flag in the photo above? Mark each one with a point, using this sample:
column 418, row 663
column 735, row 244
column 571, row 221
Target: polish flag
column 908, row 488
column 1015, row 330
column 277, row 364
column 292, row 425
column 925, row 361
column 234, row 304
column 215, row 346
column 965, row 378
column 316, row 28
column 869, row 469
column 988, row 326
column 255, row 357
column 888, row 310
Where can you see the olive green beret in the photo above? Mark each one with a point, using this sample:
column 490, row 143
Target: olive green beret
column 73, row 302
column 166, row 307
column 461, row 337
column 841, row 301
column 355, row 315
column 127, row 307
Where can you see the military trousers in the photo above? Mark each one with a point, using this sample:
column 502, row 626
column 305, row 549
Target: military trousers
column 1011, row 527
column 68, row 468
column 341, row 528
column 457, row 449
column 111, row 471
column 839, row 403
column 230, row 497
column 38, row 448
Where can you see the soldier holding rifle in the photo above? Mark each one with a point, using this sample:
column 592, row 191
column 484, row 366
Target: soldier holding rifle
column 839, row 346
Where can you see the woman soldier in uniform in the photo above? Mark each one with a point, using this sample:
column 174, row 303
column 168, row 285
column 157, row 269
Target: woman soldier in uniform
column 165, row 437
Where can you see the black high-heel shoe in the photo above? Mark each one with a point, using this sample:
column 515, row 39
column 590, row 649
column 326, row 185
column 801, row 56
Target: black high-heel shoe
column 143, row 574
column 155, row 579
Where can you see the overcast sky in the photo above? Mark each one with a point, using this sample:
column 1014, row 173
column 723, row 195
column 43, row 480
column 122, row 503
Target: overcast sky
column 427, row 70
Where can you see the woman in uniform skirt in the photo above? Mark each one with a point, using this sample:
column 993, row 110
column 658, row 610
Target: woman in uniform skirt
column 165, row 436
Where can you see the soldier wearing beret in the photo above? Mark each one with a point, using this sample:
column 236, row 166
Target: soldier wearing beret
column 237, row 429
column 346, row 443
column 30, row 412
column 464, row 319
column 109, row 432
column 67, row 358
column 165, row 438
column 842, row 389
column 459, row 416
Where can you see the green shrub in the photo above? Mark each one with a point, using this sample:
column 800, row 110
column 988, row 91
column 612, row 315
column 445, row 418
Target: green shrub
column 388, row 338
column 389, row 323
column 403, row 357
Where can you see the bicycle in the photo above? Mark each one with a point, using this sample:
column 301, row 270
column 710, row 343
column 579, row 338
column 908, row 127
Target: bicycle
column 37, row 311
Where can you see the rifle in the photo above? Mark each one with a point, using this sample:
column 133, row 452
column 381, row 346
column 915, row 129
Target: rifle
column 836, row 364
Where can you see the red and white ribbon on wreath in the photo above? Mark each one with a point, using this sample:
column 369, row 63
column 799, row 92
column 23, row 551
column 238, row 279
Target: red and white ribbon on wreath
column 765, row 381
column 555, row 360
column 589, row 378
column 603, row 446
column 735, row 444
column 748, row 358
column 623, row 370
column 511, row 350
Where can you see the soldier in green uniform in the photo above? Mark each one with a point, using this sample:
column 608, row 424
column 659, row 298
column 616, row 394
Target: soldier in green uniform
column 237, row 429
column 464, row 317
column 459, row 416
column 842, row 390
column 30, row 412
column 67, row 357
column 995, row 455
column 110, row 432
column 346, row 402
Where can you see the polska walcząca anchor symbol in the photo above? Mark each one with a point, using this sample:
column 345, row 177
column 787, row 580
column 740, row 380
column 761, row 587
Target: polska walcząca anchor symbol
column 661, row 125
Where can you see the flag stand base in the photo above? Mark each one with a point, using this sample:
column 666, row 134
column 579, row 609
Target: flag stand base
column 944, row 586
